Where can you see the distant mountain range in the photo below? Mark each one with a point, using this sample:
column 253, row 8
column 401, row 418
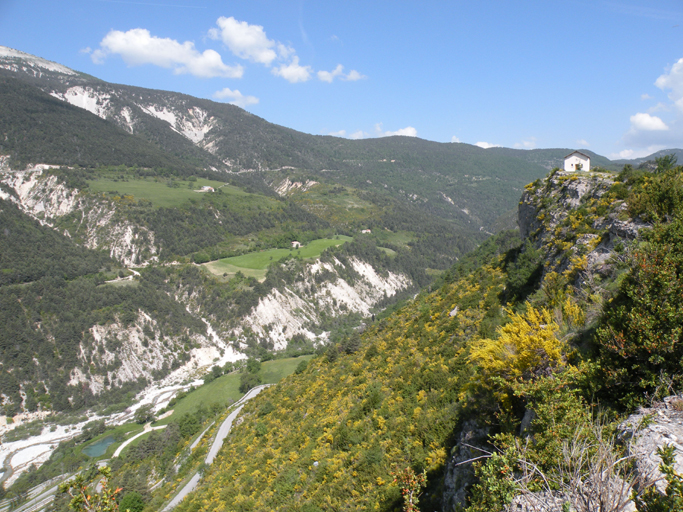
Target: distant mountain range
column 459, row 182
column 129, row 161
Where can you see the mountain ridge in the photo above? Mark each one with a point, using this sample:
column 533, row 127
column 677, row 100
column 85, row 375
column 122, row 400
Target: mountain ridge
column 463, row 183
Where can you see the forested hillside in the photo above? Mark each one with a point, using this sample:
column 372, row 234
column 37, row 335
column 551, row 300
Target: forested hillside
column 41, row 129
column 150, row 238
column 554, row 337
column 465, row 184
column 52, row 294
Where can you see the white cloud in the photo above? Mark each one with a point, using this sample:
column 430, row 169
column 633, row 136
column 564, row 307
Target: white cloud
column 408, row 131
column 250, row 42
column 293, row 72
column 329, row 76
column 486, row 145
column 673, row 81
column 664, row 130
column 646, row 122
column 340, row 133
column 360, row 134
column 660, row 107
column 527, row 144
column 645, row 97
column 138, row 47
column 237, row 97
column 244, row 40
column 87, row 49
column 626, row 153
column 630, row 154
column 455, row 139
column 353, row 75
column 285, row 51
column 583, row 142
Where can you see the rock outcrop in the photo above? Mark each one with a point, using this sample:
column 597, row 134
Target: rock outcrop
column 652, row 428
column 459, row 474
column 94, row 222
column 575, row 215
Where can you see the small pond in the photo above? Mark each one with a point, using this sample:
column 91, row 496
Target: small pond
column 98, row 448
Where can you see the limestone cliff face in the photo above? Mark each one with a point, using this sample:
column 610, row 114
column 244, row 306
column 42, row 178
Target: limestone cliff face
column 580, row 226
column 298, row 308
column 115, row 354
column 576, row 215
column 94, row 222
column 323, row 289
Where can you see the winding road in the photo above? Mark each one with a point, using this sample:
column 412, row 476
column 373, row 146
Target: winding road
column 223, row 432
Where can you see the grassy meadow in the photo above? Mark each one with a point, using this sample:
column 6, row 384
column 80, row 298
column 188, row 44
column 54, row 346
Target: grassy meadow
column 158, row 190
column 255, row 264
column 226, row 388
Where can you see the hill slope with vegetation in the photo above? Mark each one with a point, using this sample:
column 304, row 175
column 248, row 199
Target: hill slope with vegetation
column 552, row 339
column 524, row 337
column 465, row 184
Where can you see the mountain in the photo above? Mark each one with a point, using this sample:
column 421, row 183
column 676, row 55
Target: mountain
column 151, row 237
column 521, row 357
column 639, row 161
column 465, row 184
column 459, row 182
column 36, row 127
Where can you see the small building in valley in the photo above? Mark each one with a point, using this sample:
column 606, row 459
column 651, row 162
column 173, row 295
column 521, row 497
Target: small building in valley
column 206, row 188
column 577, row 161
column 295, row 244
column 366, row 231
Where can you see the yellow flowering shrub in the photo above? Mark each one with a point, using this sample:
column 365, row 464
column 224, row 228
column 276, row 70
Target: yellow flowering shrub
column 526, row 347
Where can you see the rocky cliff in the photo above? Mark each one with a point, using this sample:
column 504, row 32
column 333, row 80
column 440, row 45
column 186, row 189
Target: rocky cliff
column 576, row 228
column 92, row 221
column 576, row 214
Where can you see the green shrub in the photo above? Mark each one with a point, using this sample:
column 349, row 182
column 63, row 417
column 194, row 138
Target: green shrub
column 641, row 336
column 132, row 502
column 248, row 381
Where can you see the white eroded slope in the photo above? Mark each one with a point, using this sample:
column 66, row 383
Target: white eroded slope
column 88, row 99
column 193, row 123
column 13, row 59
column 297, row 309
column 43, row 197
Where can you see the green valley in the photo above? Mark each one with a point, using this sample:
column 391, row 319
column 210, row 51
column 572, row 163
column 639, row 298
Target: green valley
column 355, row 316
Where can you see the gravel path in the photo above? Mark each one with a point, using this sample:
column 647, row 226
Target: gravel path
column 148, row 428
column 223, row 432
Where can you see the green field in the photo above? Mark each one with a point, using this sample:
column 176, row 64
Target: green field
column 255, row 264
column 397, row 238
column 225, row 389
column 158, row 192
column 221, row 267
column 387, row 251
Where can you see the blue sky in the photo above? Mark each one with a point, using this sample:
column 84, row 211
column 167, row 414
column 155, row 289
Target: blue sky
column 601, row 75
